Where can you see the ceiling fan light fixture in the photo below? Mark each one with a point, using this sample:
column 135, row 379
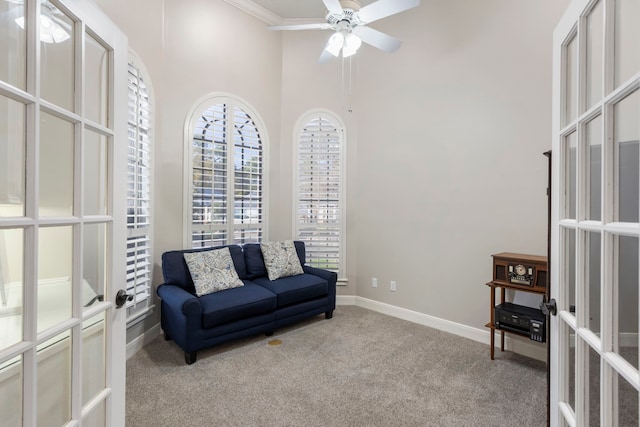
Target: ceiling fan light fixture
column 336, row 41
column 351, row 45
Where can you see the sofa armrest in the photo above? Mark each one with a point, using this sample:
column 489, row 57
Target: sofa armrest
column 332, row 278
column 179, row 299
column 329, row 276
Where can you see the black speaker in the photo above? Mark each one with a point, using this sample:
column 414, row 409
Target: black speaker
column 541, row 278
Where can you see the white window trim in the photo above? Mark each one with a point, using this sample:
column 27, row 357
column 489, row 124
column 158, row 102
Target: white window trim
column 201, row 105
column 135, row 316
column 334, row 118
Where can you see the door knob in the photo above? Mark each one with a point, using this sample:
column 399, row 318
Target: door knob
column 122, row 297
column 549, row 307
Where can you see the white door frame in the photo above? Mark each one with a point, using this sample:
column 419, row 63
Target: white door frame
column 568, row 326
column 86, row 17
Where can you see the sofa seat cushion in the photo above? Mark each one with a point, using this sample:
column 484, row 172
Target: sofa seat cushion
column 294, row 289
column 237, row 303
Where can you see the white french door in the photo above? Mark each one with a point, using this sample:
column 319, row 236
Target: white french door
column 63, row 70
column 595, row 215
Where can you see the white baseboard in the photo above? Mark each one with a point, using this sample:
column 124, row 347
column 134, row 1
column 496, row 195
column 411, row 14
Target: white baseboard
column 628, row 339
column 142, row 340
column 524, row 346
column 346, row 300
column 531, row 349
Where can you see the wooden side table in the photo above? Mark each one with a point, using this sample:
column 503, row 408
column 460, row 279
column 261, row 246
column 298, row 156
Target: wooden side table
column 506, row 269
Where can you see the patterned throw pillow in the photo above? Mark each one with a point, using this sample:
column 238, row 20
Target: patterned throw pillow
column 281, row 259
column 212, row 271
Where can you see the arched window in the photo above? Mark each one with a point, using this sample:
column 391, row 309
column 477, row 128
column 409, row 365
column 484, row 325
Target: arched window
column 139, row 194
column 225, row 174
column 319, row 215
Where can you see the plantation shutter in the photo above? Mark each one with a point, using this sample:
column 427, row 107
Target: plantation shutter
column 209, row 178
column 139, row 255
column 247, row 203
column 319, row 213
column 226, row 177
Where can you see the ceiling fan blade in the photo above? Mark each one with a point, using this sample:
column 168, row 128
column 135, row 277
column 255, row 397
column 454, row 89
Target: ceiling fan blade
column 383, row 8
column 378, row 39
column 311, row 26
column 333, row 6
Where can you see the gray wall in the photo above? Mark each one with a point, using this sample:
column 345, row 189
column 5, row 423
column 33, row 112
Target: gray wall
column 445, row 148
column 445, row 136
column 190, row 49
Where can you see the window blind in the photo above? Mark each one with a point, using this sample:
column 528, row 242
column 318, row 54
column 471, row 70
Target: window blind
column 227, row 177
column 319, row 212
column 139, row 253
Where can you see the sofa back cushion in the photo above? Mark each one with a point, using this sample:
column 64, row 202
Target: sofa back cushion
column 254, row 260
column 176, row 272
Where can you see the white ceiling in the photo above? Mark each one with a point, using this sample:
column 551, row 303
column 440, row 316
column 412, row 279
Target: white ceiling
column 288, row 9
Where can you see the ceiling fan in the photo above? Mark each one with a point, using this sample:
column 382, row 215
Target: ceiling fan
column 349, row 22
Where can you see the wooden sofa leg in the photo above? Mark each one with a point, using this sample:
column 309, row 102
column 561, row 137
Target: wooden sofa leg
column 167, row 337
column 190, row 358
column 328, row 314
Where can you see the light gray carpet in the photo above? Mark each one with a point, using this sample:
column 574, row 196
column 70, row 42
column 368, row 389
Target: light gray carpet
column 360, row 368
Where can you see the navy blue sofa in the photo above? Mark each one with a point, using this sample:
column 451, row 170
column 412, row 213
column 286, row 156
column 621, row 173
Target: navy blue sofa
column 260, row 306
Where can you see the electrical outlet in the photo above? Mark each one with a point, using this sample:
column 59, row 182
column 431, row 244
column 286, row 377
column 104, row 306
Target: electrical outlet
column 393, row 286
column 374, row 282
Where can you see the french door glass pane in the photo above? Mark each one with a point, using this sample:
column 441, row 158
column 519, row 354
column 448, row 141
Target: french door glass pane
column 11, row 286
column 11, row 392
column 626, row 135
column 571, row 79
column 94, row 270
column 627, row 274
column 56, row 166
column 54, row 381
column 12, row 44
column 627, row 402
column 55, row 253
column 570, row 266
column 97, row 417
column 95, row 173
column 593, row 276
column 12, row 155
column 93, row 362
column 626, row 52
column 594, row 41
column 571, row 142
column 571, row 366
column 96, row 64
column 593, row 134
column 57, row 68
column 593, row 396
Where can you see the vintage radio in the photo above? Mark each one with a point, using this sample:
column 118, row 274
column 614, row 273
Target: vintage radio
column 520, row 269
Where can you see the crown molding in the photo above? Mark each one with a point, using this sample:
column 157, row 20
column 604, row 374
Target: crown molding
column 257, row 11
